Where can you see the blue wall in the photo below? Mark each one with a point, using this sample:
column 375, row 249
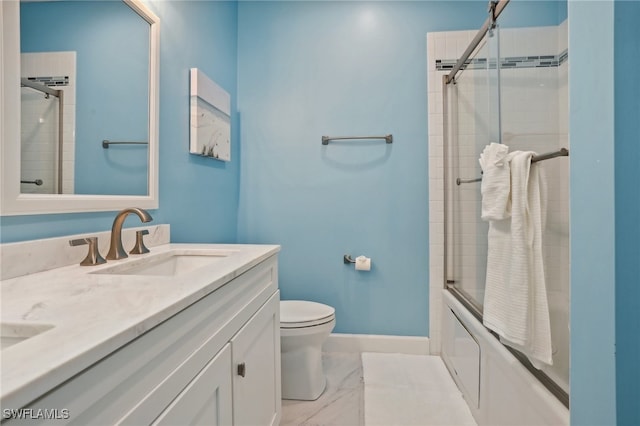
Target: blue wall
column 627, row 181
column 593, row 274
column 533, row 13
column 111, row 86
column 198, row 197
column 308, row 69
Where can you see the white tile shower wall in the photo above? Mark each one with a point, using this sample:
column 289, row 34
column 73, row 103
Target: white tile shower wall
column 529, row 41
column 40, row 123
column 534, row 118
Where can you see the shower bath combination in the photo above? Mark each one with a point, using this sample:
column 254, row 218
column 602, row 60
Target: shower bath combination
column 42, row 140
column 508, row 86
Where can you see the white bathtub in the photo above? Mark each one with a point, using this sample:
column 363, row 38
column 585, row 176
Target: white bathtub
column 497, row 387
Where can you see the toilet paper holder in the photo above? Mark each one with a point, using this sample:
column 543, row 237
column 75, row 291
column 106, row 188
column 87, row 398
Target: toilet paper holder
column 348, row 259
column 362, row 263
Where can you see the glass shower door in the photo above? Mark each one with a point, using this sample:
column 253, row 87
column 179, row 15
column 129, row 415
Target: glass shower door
column 534, row 117
column 474, row 122
column 511, row 95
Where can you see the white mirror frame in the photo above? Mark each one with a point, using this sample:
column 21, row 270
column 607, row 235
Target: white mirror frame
column 12, row 201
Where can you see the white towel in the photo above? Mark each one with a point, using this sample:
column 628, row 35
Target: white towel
column 515, row 303
column 496, row 180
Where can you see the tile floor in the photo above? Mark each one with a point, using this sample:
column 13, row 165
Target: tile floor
column 341, row 404
column 381, row 390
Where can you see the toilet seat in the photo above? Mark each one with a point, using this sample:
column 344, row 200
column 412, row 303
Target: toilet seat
column 302, row 314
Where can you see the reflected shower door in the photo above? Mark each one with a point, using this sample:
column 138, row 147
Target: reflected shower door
column 39, row 147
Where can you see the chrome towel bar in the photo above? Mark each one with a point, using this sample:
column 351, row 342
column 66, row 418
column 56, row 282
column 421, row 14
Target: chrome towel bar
column 562, row 152
column 326, row 139
column 34, row 182
column 459, row 181
column 106, row 143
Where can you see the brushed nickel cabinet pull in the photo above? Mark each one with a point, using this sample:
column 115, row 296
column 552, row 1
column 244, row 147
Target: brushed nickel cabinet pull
column 242, row 369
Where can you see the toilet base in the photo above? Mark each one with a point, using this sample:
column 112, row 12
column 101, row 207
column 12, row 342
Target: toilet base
column 301, row 355
column 302, row 374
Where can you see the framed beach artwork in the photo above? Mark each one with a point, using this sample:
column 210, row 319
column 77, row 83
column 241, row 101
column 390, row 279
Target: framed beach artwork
column 210, row 124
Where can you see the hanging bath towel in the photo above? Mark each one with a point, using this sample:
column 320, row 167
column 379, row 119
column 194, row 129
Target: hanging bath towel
column 515, row 303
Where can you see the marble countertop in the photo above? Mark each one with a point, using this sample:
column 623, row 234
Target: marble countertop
column 94, row 314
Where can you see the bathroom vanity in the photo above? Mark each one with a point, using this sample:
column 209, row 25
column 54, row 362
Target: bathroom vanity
column 186, row 334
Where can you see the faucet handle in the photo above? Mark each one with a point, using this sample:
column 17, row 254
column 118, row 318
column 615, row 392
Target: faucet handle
column 140, row 248
column 93, row 256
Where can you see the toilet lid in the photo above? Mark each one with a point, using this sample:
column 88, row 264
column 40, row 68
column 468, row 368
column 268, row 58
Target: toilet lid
column 300, row 313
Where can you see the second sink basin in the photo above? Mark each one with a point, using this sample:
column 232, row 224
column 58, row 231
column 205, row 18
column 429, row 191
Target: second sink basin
column 14, row 333
column 169, row 264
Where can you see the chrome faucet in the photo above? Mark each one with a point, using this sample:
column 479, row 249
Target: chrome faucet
column 116, row 251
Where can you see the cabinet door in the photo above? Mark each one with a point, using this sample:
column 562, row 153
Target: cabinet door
column 256, row 368
column 207, row 398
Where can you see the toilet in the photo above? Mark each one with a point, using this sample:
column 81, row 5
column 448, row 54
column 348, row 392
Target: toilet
column 304, row 326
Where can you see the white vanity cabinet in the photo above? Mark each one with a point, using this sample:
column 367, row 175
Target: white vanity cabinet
column 253, row 359
column 216, row 362
column 256, row 362
column 207, row 400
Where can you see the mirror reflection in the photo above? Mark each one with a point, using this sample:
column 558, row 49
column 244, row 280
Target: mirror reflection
column 84, row 80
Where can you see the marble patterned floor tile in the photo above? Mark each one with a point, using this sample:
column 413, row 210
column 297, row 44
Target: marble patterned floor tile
column 341, row 404
column 382, row 390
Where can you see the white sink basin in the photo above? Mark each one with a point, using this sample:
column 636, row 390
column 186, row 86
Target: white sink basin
column 169, row 264
column 14, row 333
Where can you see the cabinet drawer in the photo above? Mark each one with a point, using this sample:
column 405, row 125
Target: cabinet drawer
column 198, row 365
column 207, row 399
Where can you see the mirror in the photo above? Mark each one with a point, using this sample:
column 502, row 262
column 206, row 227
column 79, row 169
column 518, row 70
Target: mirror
column 77, row 74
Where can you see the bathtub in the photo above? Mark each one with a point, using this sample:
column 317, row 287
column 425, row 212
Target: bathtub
column 497, row 387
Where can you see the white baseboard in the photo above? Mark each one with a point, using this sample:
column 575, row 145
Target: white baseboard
column 411, row 345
